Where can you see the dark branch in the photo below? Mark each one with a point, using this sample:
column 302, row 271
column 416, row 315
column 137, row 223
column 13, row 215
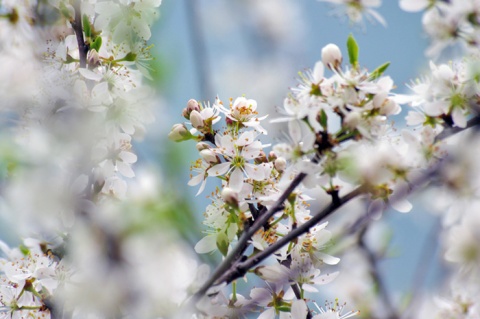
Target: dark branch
column 78, row 29
column 242, row 266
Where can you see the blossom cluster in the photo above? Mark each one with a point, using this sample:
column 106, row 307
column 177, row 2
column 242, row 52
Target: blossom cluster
column 73, row 85
column 332, row 123
column 341, row 140
column 448, row 23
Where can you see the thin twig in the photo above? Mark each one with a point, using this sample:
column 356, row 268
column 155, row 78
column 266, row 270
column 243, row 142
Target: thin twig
column 240, row 268
column 423, row 265
column 454, row 130
column 77, row 28
column 376, row 276
column 245, row 237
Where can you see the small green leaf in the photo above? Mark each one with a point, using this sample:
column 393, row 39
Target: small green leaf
column 87, row 29
column 24, row 249
column 284, row 308
column 379, row 71
column 130, row 57
column 323, row 119
column 65, row 12
column 70, row 59
column 222, row 243
column 352, row 47
column 96, row 44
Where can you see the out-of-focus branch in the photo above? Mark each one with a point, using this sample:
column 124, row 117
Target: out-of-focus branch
column 372, row 260
column 78, row 29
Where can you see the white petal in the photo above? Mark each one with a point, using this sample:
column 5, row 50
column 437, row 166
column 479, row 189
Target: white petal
column 299, row 309
column 255, row 172
column 219, row 169
column 236, row 180
column 268, row 314
column 413, row 5
column 375, row 209
column 295, row 131
column 329, row 260
column 459, row 118
column 128, row 157
column 196, row 180
column 325, row 279
column 401, row 205
column 246, row 138
column 206, row 244
column 88, row 74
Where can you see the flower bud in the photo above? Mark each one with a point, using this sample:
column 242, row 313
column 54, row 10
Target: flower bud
column 280, row 164
column 196, row 119
column 352, row 120
column 230, row 197
column 93, row 58
column 332, row 56
column 192, row 105
column 179, row 133
column 202, row 146
column 209, row 156
column 272, row 156
column 262, row 158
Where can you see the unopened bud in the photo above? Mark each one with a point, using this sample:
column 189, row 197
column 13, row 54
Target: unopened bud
column 230, row 197
column 192, row 105
column 209, row 156
column 179, row 133
column 280, row 164
column 202, row 146
column 331, row 56
column 93, row 58
column 196, row 119
column 262, row 158
column 352, row 120
column 272, row 156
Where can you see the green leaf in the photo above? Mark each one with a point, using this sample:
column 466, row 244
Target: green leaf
column 323, row 119
column 87, row 29
column 222, row 243
column 96, row 44
column 379, row 71
column 352, row 47
column 65, row 12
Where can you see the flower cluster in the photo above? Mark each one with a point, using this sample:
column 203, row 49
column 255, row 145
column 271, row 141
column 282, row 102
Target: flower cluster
column 340, row 139
column 332, row 124
column 356, row 9
column 448, row 23
column 73, row 81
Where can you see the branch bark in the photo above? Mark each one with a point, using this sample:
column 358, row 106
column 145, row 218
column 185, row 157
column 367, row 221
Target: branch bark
column 78, row 29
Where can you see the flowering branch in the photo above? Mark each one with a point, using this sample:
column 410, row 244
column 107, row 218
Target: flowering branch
column 242, row 244
column 241, row 267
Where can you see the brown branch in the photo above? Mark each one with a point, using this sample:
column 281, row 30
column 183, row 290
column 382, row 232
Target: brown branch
column 78, row 29
column 240, row 267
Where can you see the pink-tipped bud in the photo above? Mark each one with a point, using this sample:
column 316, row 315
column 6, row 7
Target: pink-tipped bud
column 272, row 156
column 179, row 133
column 197, row 120
column 230, row 197
column 209, row 156
column 93, row 58
column 202, row 146
column 280, row 164
column 192, row 105
column 332, row 56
